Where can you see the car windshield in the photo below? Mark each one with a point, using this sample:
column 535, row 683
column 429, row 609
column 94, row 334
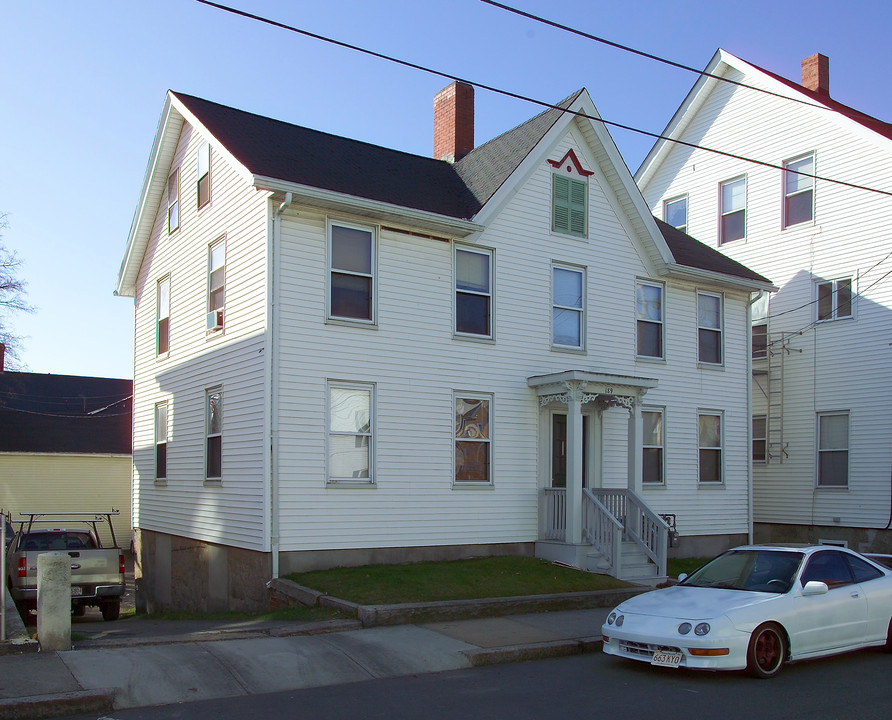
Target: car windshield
column 753, row 570
column 71, row 540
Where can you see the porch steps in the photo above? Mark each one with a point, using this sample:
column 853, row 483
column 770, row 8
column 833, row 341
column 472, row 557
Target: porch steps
column 636, row 566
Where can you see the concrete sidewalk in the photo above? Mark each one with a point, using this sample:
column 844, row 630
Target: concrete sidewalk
column 116, row 671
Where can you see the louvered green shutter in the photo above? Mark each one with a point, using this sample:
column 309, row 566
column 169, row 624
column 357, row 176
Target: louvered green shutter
column 569, row 205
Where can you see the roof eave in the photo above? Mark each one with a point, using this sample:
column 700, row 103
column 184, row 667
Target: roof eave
column 686, row 272
column 373, row 209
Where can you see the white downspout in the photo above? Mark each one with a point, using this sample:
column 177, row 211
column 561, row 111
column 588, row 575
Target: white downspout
column 273, row 374
column 749, row 414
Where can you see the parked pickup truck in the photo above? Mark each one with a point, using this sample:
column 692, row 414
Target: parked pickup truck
column 97, row 572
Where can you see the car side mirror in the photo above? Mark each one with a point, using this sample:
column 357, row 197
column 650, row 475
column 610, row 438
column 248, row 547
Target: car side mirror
column 815, row 587
column 682, row 577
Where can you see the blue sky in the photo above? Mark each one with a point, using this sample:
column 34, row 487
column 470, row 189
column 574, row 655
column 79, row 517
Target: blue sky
column 82, row 86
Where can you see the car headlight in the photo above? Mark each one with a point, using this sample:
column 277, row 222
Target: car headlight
column 611, row 618
column 620, row 620
column 684, row 628
column 702, row 629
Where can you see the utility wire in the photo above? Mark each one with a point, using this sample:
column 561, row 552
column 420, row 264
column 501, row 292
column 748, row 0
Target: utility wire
column 649, row 56
column 525, row 98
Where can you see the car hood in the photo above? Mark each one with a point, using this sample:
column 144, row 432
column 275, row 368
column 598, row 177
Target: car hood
column 693, row 603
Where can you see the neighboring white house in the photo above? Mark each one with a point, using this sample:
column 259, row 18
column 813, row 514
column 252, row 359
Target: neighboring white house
column 347, row 354
column 822, row 345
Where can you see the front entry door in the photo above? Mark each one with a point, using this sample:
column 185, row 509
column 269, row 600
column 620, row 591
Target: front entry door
column 559, row 450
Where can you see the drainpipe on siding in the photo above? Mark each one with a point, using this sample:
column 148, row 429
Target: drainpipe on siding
column 749, row 412
column 273, row 370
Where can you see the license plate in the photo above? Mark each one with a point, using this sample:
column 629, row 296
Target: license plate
column 665, row 658
column 77, row 590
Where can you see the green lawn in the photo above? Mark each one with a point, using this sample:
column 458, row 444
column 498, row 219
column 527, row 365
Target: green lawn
column 458, row 580
column 675, row 566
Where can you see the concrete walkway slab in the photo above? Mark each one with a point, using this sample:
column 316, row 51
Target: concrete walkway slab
column 493, row 632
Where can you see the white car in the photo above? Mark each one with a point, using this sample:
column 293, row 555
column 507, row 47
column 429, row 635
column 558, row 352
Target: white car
column 757, row 607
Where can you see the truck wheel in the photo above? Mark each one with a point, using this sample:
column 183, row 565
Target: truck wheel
column 79, row 610
column 111, row 610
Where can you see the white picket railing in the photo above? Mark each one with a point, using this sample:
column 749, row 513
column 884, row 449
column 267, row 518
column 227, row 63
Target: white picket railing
column 554, row 514
column 642, row 525
column 602, row 530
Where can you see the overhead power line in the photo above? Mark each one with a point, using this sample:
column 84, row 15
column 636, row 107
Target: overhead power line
column 534, row 101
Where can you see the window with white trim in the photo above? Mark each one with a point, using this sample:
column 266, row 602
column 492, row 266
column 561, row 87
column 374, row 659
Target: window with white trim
column 709, row 328
column 834, row 299
column 173, row 201
column 351, row 257
column 833, row 449
column 350, row 432
column 567, row 306
column 733, row 210
column 569, row 205
column 652, row 446
column 799, row 190
column 649, row 317
column 710, row 447
column 473, row 438
column 214, row 433
column 760, row 438
column 473, row 291
column 675, row 212
column 204, row 174
column 162, row 317
column 161, row 434
column 216, row 285
column 760, row 341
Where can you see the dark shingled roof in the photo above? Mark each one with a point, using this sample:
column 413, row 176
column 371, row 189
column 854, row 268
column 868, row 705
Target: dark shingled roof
column 52, row 414
column 692, row 253
column 291, row 153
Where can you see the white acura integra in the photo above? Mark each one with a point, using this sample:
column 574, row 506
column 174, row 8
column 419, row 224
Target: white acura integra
column 757, row 607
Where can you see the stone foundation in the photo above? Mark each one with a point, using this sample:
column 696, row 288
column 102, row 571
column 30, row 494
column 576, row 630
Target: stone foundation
column 858, row 539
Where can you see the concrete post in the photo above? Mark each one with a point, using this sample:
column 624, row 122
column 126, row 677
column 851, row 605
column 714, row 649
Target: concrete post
column 54, row 601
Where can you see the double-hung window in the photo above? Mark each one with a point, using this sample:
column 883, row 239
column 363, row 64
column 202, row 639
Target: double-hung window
column 473, row 438
column 173, row 201
column 569, row 205
column 760, row 438
column 652, row 447
column 162, row 318
column 351, row 273
column 709, row 328
column 799, row 190
column 216, row 285
column 833, row 449
column 733, row 210
column 568, row 306
column 350, row 432
column 204, row 174
column 760, row 341
column 649, row 316
column 161, row 441
column 835, row 299
column 473, row 291
column 214, row 434
column 675, row 213
column 710, row 442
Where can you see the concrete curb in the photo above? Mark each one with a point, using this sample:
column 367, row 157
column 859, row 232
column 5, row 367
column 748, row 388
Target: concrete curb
column 55, row 705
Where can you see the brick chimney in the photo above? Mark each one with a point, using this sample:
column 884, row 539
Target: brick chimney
column 816, row 74
column 454, row 122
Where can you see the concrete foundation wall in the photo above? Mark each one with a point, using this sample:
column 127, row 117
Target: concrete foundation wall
column 706, row 546
column 858, row 539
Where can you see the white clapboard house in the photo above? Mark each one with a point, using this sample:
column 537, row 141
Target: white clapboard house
column 822, row 400
column 347, row 354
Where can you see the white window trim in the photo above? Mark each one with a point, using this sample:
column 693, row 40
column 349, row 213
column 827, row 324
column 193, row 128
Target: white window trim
column 764, row 324
column 208, row 434
column 819, row 449
column 661, row 322
column 720, row 329
column 218, row 322
column 172, row 230
column 784, row 195
column 580, row 310
column 721, row 448
column 668, row 201
column 662, row 411
column 489, row 483
column 338, row 319
column 371, row 480
column 491, row 294
column 763, row 438
column 159, row 317
column 166, row 405
column 722, row 213
column 834, row 289
column 203, row 148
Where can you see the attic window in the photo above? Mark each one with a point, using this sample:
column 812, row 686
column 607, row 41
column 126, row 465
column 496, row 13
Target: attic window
column 173, row 201
column 569, row 197
column 204, row 175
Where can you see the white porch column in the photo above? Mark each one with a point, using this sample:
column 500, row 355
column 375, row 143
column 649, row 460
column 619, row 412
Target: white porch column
column 574, row 463
column 636, row 433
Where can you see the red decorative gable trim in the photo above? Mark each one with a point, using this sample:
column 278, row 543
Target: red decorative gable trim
column 576, row 164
